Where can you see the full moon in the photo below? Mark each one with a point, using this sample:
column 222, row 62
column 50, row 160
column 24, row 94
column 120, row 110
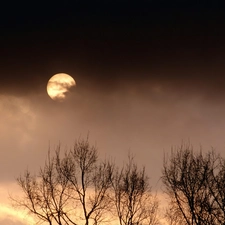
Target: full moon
column 59, row 85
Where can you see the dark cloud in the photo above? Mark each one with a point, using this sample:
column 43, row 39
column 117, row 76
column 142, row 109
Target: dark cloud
column 181, row 46
column 147, row 77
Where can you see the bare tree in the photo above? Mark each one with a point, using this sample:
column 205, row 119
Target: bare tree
column 90, row 181
column 132, row 197
column 46, row 195
column 194, row 182
column 70, row 188
column 216, row 183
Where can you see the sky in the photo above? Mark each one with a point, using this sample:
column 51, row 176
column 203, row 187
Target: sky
column 149, row 76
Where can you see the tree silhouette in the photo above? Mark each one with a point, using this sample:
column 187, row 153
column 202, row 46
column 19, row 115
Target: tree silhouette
column 70, row 189
column 132, row 196
column 195, row 184
column 75, row 187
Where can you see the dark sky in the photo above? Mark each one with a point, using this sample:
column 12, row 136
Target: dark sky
column 109, row 41
column 149, row 74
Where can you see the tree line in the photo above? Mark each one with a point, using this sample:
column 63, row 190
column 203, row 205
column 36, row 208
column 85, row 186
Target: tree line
column 76, row 187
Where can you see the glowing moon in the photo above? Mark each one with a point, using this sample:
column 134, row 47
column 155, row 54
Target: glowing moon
column 59, row 85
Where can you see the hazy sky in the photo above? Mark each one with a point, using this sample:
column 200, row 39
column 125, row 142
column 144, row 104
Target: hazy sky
column 148, row 75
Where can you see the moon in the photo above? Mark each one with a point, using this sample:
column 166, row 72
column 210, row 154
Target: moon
column 59, row 85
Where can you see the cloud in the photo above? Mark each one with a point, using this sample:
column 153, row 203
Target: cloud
column 146, row 119
column 9, row 221
column 8, row 214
